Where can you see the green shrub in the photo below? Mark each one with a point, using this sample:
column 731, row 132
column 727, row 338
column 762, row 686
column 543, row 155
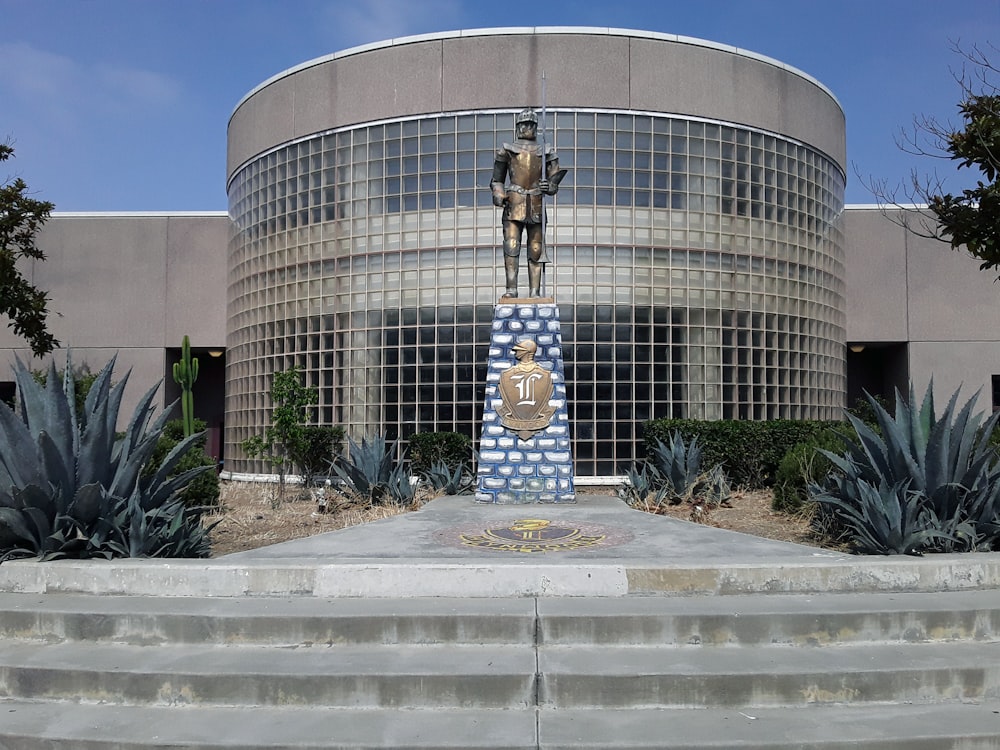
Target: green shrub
column 920, row 483
column 319, row 445
column 203, row 491
column 452, row 449
column 70, row 487
column 864, row 409
column 749, row 452
column 804, row 464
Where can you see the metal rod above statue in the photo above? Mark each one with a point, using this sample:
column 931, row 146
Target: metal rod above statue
column 523, row 172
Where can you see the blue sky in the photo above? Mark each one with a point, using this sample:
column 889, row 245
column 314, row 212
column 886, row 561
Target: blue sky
column 122, row 105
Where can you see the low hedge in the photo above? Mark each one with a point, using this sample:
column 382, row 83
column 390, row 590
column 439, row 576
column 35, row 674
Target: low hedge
column 749, row 451
column 428, row 448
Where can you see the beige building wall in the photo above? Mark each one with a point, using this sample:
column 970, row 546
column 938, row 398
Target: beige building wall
column 902, row 287
column 132, row 284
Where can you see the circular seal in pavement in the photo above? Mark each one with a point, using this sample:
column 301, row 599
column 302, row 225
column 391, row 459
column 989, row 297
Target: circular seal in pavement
column 532, row 536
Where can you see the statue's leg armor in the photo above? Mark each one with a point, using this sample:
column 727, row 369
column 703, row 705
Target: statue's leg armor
column 511, row 254
column 535, row 265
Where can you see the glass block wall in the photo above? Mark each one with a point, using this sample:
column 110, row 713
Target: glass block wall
column 698, row 267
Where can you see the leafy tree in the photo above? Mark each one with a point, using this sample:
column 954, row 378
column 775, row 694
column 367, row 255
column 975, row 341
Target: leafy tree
column 319, row 446
column 969, row 218
column 20, row 219
column 286, row 437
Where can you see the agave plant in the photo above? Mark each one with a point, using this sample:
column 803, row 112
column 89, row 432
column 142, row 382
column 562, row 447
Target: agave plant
column 946, row 463
column 71, row 487
column 673, row 475
column 713, row 487
column 641, row 484
column 369, row 473
column 677, row 467
column 439, row 477
column 883, row 520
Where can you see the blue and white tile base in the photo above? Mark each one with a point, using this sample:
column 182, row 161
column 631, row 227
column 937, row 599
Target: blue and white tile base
column 539, row 469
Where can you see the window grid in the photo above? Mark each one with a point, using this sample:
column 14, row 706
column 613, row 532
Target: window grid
column 698, row 267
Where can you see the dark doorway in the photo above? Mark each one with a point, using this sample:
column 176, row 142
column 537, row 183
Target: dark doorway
column 879, row 369
column 209, row 393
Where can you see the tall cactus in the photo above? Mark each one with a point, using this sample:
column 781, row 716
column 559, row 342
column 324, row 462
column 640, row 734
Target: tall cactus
column 185, row 373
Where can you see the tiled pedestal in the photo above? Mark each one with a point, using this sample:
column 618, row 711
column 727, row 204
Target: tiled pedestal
column 538, row 469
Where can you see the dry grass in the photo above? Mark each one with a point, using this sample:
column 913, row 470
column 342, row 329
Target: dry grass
column 251, row 517
column 748, row 512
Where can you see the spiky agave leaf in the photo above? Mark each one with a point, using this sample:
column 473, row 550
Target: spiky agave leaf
column 160, row 487
column 83, row 481
column 887, row 520
column 19, row 464
column 134, row 448
column 97, row 432
column 678, row 464
column 15, row 533
column 946, row 461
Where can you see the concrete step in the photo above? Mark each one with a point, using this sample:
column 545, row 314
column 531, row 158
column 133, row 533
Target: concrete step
column 953, row 726
column 277, row 621
column 800, row 620
column 480, row 676
column 654, row 677
column 27, row 725
column 680, row 559
column 30, row 725
column 814, row 671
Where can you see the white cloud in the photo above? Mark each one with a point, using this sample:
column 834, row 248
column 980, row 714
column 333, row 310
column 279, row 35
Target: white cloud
column 51, row 88
column 374, row 20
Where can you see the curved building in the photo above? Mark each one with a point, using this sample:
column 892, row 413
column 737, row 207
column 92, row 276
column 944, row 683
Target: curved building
column 697, row 241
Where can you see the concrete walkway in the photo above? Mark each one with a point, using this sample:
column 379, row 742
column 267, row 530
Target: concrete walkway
column 455, row 547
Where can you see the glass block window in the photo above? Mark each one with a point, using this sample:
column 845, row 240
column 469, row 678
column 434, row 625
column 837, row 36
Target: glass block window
column 698, row 267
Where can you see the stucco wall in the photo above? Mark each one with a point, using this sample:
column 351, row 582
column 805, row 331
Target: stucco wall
column 132, row 284
column 907, row 288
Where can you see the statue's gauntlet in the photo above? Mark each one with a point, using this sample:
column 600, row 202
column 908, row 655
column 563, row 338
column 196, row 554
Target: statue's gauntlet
column 499, row 193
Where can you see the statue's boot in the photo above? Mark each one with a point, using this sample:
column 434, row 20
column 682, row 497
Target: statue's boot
column 535, row 278
column 510, row 270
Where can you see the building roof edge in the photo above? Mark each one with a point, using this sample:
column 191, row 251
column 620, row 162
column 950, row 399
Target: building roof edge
column 525, row 30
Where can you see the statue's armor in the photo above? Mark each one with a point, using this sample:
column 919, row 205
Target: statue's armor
column 517, row 171
column 521, row 162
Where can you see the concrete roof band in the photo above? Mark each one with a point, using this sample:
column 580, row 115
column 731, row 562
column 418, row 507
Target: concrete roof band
column 528, row 30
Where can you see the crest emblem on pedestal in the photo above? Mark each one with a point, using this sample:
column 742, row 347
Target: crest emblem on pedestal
column 526, row 389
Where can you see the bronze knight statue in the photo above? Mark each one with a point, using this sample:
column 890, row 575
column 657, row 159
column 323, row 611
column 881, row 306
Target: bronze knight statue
column 523, row 211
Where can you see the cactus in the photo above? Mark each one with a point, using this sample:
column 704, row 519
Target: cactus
column 185, row 373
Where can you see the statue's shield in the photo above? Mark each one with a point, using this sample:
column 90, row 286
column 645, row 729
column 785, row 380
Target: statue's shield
column 526, row 390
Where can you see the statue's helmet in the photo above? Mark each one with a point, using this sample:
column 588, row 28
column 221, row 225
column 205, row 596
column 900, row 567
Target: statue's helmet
column 526, row 115
column 525, row 349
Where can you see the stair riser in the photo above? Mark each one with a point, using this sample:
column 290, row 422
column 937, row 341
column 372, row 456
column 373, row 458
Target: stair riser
column 709, row 630
column 505, row 691
column 346, row 691
column 786, row 629
column 744, row 690
column 156, row 629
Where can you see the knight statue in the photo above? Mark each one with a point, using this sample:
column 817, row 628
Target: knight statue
column 518, row 184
